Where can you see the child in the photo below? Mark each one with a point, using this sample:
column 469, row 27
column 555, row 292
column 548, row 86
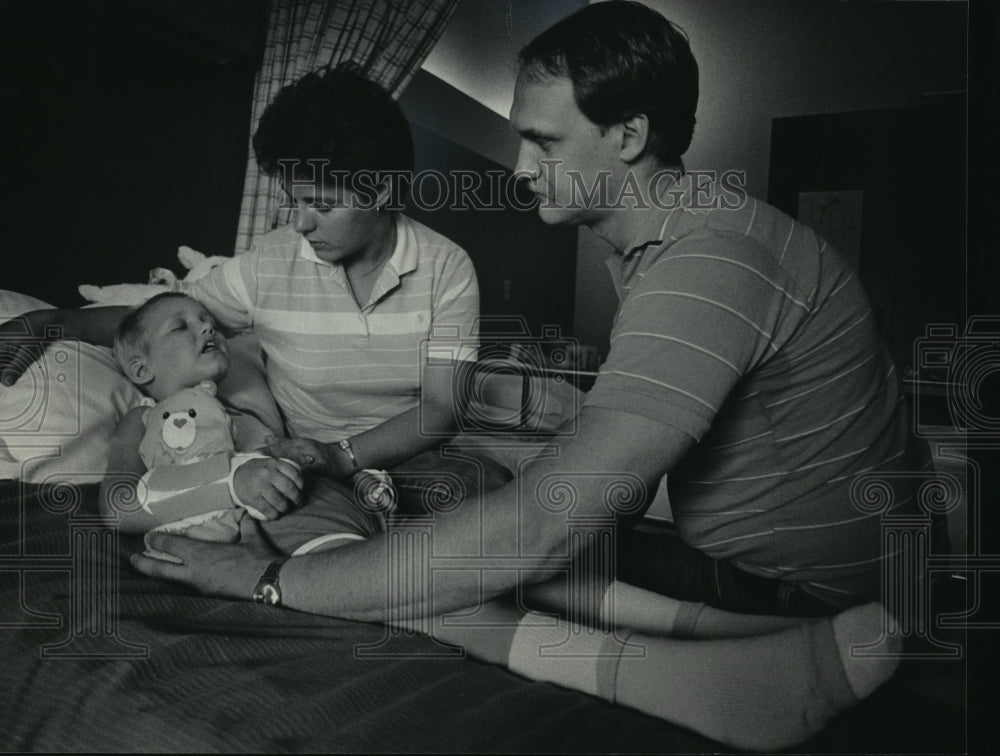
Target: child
column 189, row 461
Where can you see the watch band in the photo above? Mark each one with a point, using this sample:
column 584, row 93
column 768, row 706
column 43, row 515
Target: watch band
column 346, row 446
column 268, row 590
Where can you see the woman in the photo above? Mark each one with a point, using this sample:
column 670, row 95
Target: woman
column 347, row 298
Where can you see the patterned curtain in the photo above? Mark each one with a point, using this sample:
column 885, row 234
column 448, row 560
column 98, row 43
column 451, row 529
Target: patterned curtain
column 388, row 38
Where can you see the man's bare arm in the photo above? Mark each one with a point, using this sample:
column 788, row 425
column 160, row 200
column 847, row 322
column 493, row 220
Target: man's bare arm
column 20, row 337
column 516, row 534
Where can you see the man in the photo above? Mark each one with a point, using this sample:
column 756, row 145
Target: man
column 744, row 362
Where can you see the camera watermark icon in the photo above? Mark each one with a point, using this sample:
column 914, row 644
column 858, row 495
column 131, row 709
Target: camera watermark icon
column 955, row 383
column 513, row 383
column 963, row 370
column 50, row 374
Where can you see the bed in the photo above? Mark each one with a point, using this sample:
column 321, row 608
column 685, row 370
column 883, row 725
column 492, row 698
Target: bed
column 96, row 657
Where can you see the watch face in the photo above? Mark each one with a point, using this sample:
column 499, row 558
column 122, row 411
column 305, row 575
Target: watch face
column 267, row 591
column 269, row 594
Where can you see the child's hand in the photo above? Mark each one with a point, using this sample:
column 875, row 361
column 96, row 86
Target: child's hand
column 268, row 487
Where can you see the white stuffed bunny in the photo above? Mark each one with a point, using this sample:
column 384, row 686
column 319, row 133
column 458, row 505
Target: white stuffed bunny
column 160, row 280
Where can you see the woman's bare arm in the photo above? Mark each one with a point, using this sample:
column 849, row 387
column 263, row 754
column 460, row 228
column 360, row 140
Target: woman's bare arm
column 426, row 426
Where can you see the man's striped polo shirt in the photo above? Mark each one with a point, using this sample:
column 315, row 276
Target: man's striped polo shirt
column 745, row 330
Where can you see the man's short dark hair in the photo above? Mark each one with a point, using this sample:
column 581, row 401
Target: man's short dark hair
column 624, row 59
column 338, row 116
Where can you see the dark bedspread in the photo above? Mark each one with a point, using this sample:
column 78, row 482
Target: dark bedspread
column 96, row 657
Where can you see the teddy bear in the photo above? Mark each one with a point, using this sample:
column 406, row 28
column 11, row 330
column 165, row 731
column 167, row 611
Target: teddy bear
column 191, row 425
column 160, row 279
column 188, row 426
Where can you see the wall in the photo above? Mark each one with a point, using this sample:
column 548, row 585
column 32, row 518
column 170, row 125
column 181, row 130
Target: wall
column 477, row 54
column 434, row 104
column 771, row 58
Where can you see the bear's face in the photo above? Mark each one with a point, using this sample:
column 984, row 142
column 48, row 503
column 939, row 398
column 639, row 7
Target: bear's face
column 180, row 428
column 185, row 427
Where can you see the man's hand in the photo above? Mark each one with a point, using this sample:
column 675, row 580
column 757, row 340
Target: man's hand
column 314, row 457
column 216, row 569
column 272, row 487
column 23, row 340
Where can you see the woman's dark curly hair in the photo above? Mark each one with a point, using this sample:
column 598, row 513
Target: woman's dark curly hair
column 624, row 59
column 337, row 116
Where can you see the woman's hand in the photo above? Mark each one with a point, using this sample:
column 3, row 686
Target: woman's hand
column 210, row 567
column 312, row 456
column 270, row 486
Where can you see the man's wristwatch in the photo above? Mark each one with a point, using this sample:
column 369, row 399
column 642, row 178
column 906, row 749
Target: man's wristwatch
column 346, row 446
column 268, row 591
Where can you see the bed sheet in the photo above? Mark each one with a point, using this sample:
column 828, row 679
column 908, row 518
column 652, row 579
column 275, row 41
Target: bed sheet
column 96, row 657
column 151, row 667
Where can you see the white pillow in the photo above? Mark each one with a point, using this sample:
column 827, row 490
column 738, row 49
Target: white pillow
column 57, row 420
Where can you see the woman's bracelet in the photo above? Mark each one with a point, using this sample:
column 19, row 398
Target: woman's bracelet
column 346, row 446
